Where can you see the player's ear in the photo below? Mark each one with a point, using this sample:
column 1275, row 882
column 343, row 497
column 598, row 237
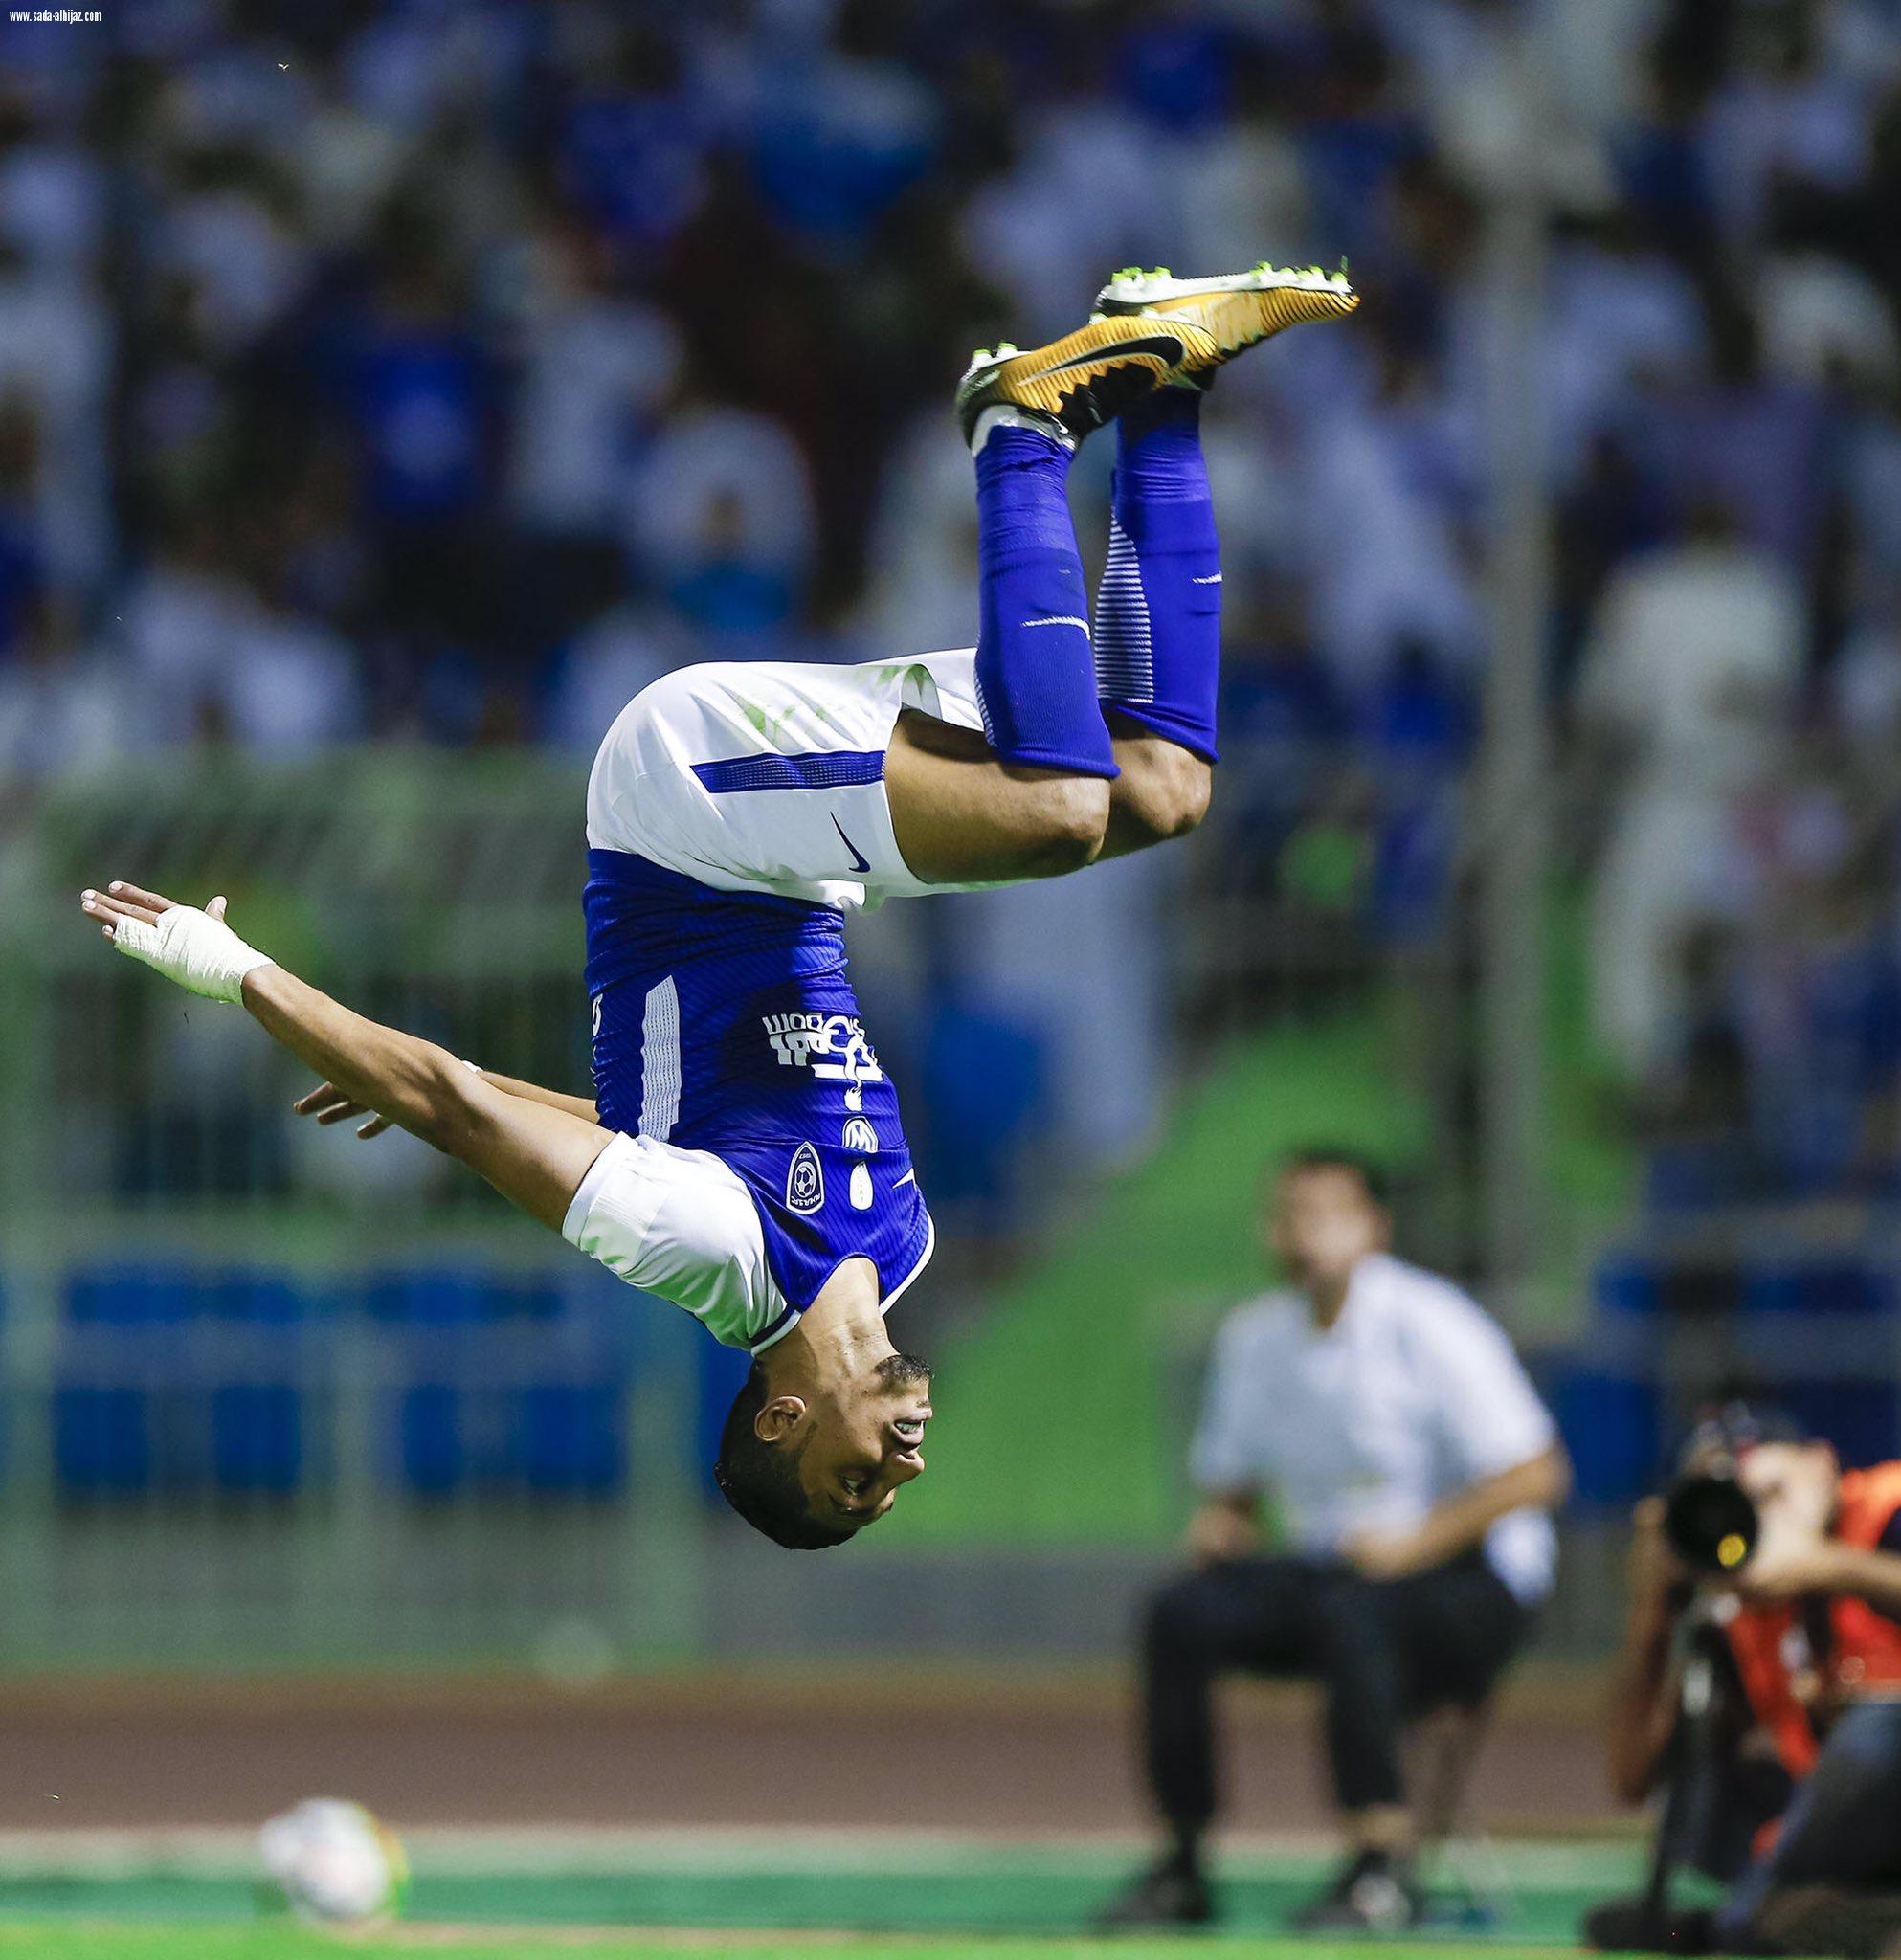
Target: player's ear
column 778, row 1418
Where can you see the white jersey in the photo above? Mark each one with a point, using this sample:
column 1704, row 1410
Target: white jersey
column 711, row 772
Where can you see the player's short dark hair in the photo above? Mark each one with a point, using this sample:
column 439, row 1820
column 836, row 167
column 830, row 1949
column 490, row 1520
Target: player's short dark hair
column 760, row 1480
column 1371, row 1174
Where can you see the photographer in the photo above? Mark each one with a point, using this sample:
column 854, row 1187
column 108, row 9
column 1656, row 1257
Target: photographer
column 1762, row 1657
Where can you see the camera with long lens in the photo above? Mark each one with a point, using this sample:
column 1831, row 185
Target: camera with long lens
column 1711, row 1521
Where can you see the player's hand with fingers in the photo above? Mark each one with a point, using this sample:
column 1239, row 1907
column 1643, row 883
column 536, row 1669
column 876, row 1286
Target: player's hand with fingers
column 329, row 1104
column 194, row 948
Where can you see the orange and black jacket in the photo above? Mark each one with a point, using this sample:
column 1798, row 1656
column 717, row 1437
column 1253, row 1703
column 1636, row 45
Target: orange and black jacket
column 1775, row 1646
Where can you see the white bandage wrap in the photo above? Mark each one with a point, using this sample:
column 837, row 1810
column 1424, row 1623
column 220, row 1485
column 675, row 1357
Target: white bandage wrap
column 201, row 953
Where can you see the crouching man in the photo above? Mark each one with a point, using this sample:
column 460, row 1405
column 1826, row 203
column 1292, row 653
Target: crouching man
column 1412, row 1469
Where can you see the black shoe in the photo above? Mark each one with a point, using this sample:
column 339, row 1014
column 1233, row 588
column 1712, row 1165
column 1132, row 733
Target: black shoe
column 1169, row 1894
column 1372, row 1893
column 1627, row 1926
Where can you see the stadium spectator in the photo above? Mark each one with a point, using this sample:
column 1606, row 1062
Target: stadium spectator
column 66, row 707
column 1390, row 1426
column 1691, row 671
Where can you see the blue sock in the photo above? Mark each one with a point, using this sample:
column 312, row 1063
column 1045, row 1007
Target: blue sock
column 1035, row 667
column 1158, row 615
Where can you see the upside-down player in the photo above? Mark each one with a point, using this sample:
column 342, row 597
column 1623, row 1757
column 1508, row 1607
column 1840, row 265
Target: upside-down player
column 745, row 1157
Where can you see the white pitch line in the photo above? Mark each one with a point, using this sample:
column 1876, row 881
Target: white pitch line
column 554, row 1849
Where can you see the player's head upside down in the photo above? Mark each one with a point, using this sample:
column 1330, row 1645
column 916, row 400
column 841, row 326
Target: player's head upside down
column 821, row 1434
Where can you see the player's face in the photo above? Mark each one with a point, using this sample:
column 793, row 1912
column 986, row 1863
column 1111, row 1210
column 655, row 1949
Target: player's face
column 1321, row 1223
column 867, row 1440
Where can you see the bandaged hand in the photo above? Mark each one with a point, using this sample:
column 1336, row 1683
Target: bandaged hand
column 192, row 948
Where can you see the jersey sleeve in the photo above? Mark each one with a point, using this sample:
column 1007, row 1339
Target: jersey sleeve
column 679, row 1224
column 1226, row 1455
column 1489, row 1415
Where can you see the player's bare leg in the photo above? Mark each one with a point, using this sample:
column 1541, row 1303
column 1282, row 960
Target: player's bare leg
column 961, row 817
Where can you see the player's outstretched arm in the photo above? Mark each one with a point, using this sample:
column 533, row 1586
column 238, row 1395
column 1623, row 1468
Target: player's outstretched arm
column 328, row 1104
column 534, row 1154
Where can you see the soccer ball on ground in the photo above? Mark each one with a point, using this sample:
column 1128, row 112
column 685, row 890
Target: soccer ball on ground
column 334, row 1862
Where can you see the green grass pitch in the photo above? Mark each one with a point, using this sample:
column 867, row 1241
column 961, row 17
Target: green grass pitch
column 764, row 1897
column 51, row 1941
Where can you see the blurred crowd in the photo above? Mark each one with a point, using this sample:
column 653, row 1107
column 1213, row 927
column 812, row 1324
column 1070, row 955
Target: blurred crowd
column 446, row 368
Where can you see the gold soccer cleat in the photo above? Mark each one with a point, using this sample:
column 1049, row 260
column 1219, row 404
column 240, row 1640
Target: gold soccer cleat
column 1086, row 379
column 1232, row 310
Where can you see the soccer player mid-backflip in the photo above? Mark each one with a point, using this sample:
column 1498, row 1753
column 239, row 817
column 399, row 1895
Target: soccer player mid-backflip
column 745, row 1157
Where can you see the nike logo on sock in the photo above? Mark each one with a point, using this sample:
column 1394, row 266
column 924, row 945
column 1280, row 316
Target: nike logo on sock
column 1060, row 619
column 860, row 862
column 1215, row 581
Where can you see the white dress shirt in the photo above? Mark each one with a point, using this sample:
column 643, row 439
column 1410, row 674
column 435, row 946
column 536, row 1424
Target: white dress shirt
column 1411, row 1396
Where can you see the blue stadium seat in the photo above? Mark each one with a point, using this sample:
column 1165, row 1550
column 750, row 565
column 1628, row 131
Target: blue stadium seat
column 458, row 1296
column 269, row 1299
column 132, row 1296
column 257, row 1438
column 102, row 1442
column 1610, row 1426
column 485, row 1417
column 136, row 1409
column 1831, row 1286
column 430, row 1438
column 1626, row 1283
column 568, row 1439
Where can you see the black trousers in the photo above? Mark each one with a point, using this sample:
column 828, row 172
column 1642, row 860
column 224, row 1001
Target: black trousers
column 1382, row 1651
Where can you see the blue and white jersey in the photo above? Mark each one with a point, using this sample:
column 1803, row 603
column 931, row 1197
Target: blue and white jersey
column 729, row 1047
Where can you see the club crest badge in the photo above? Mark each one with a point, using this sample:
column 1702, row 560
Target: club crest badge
column 805, row 1182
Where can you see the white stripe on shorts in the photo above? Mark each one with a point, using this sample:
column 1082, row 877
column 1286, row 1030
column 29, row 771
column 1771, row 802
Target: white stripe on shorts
column 659, row 1061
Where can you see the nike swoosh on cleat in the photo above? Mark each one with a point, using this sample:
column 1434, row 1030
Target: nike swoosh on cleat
column 860, row 862
column 1167, row 345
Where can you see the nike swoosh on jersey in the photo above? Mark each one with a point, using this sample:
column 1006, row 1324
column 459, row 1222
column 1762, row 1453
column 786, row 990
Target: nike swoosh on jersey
column 860, row 862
